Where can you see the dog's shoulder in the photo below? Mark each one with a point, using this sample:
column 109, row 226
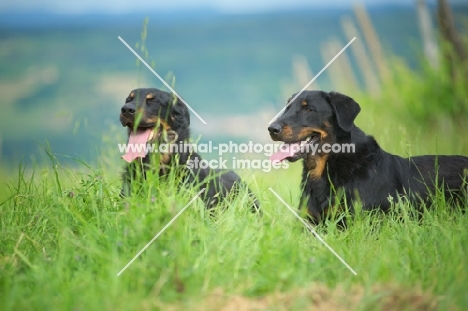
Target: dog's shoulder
column 364, row 153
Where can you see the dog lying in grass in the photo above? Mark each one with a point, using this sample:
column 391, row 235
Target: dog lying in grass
column 156, row 117
column 368, row 174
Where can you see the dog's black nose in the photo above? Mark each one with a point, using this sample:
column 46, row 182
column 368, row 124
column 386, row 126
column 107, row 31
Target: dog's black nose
column 275, row 128
column 128, row 110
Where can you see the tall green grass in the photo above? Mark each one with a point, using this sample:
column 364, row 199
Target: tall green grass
column 66, row 233
column 419, row 111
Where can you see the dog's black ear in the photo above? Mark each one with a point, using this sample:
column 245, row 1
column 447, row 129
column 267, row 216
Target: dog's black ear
column 345, row 108
column 180, row 115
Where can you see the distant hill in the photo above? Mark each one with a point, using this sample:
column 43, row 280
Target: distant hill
column 63, row 78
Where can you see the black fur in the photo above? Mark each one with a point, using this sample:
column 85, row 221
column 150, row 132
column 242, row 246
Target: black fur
column 169, row 118
column 370, row 174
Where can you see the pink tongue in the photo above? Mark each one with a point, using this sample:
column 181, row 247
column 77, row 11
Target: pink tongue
column 286, row 150
column 136, row 147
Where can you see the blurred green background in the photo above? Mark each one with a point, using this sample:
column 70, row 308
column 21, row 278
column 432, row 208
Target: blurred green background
column 64, row 77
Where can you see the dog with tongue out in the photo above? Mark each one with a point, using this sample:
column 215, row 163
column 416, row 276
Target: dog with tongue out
column 343, row 167
column 155, row 117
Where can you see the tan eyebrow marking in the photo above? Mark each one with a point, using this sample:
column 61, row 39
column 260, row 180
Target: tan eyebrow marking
column 149, row 96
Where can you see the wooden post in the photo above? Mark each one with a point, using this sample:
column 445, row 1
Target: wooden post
column 448, row 31
column 427, row 32
column 371, row 80
column 344, row 66
column 302, row 72
column 337, row 79
column 372, row 40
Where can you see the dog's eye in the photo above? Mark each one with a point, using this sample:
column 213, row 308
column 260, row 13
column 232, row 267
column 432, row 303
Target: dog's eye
column 150, row 100
column 128, row 99
column 308, row 109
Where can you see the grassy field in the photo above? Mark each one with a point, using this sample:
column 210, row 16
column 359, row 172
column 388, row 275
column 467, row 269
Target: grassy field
column 66, row 233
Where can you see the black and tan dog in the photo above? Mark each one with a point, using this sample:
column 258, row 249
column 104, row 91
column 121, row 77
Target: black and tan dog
column 367, row 173
column 155, row 117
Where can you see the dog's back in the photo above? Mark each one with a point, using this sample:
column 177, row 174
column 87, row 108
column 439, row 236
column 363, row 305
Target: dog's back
column 380, row 178
column 443, row 172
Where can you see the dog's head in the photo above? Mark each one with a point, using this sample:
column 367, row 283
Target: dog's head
column 313, row 118
column 152, row 115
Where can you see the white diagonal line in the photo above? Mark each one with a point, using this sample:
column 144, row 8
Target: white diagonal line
column 164, row 82
column 313, row 231
column 160, row 232
column 311, row 81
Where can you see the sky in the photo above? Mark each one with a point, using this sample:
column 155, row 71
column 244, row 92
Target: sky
column 222, row 6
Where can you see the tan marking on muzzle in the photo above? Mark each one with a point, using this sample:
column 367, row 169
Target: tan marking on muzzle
column 307, row 131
